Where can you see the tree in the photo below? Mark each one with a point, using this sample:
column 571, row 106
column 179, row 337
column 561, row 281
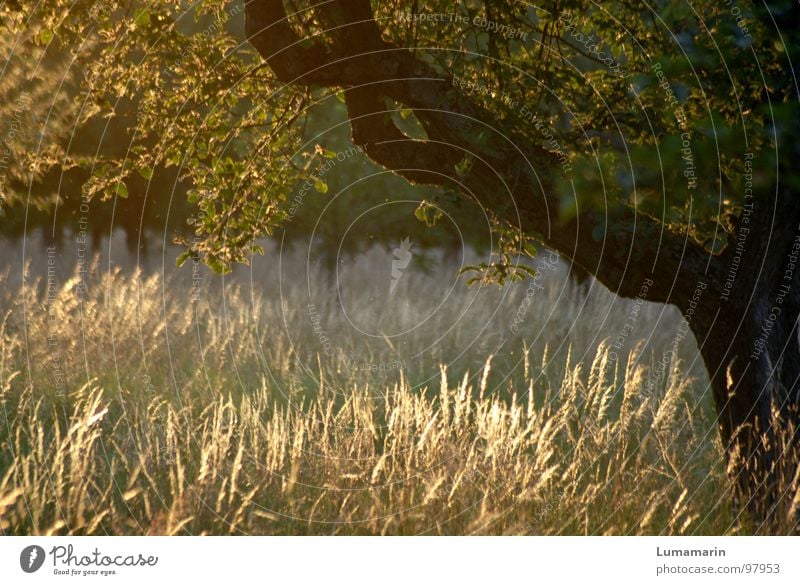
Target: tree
column 729, row 267
column 649, row 142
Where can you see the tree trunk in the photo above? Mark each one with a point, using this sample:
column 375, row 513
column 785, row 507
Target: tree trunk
column 748, row 336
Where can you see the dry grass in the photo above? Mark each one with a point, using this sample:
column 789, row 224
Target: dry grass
column 284, row 440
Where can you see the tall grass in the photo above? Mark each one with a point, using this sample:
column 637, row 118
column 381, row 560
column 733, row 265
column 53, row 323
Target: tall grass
column 143, row 405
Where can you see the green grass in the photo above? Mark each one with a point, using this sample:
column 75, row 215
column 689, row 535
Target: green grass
column 140, row 411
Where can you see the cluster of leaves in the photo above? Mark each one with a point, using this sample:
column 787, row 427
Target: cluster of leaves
column 37, row 112
column 195, row 98
column 615, row 85
column 199, row 100
column 205, row 105
column 513, row 249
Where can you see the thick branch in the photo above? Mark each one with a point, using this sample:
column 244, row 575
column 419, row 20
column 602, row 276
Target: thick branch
column 512, row 173
column 422, row 161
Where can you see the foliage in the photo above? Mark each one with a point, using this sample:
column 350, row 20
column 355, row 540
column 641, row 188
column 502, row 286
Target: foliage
column 197, row 99
column 513, row 248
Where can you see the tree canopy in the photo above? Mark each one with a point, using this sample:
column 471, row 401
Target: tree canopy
column 653, row 107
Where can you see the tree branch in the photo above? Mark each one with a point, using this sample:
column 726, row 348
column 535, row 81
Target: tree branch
column 512, row 174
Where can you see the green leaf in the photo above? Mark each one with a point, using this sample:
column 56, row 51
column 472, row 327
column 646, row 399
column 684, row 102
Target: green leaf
column 217, row 265
column 320, row 185
column 141, row 18
column 181, row 260
column 45, row 36
column 428, row 213
column 122, row 189
column 327, row 153
column 529, row 249
column 464, row 165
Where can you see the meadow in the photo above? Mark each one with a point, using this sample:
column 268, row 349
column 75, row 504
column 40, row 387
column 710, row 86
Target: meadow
column 278, row 400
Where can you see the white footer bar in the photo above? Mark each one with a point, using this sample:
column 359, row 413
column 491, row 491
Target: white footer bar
column 406, row 560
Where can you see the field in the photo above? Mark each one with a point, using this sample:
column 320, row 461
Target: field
column 268, row 403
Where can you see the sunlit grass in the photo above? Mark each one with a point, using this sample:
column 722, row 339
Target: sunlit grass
column 139, row 411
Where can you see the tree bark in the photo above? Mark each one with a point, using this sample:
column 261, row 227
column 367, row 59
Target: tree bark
column 749, row 342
